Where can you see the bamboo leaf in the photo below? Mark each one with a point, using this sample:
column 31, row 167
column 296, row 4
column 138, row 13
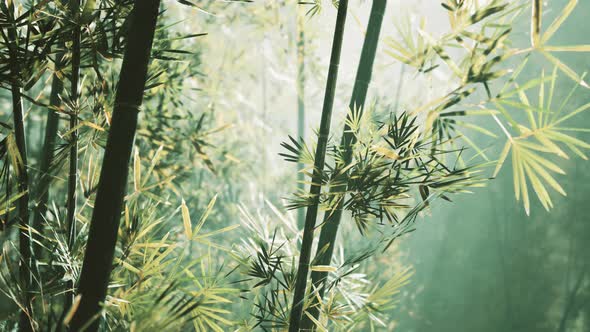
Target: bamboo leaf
column 136, row 171
column 561, row 137
column 186, row 220
column 386, row 152
column 524, row 189
column 577, row 151
column 533, row 157
column 502, row 158
column 575, row 48
column 547, row 177
column 205, row 215
column 153, row 163
column 566, row 70
column 575, row 112
column 323, row 268
column 317, row 323
column 567, row 10
column 15, row 157
column 538, row 187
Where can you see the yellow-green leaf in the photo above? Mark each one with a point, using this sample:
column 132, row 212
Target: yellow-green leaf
column 575, row 48
column 559, row 20
column 136, row 171
column 323, row 268
column 566, row 70
column 205, row 215
column 538, row 187
column 186, row 220
column 385, row 152
column 502, row 158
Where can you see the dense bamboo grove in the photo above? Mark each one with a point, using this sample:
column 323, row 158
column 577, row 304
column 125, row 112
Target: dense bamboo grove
column 293, row 165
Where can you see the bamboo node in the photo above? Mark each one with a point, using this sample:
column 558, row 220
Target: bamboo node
column 134, row 107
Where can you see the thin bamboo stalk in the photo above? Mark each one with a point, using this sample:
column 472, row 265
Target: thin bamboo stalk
column 25, row 276
column 332, row 218
column 73, row 158
column 23, row 209
column 320, row 155
column 300, row 109
column 102, row 236
column 47, row 152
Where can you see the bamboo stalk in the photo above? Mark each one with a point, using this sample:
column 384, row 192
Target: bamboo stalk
column 25, row 276
column 300, row 109
column 320, row 155
column 108, row 204
column 25, row 323
column 47, row 152
column 332, row 218
column 569, row 307
column 73, row 158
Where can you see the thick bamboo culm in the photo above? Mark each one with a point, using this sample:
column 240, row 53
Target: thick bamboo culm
column 106, row 215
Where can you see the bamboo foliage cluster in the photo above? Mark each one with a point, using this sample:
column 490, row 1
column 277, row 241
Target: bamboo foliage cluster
column 481, row 33
column 267, row 259
column 484, row 33
column 62, row 40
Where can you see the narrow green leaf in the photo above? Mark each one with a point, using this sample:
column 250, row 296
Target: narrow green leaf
column 559, row 20
column 502, row 158
column 186, row 220
column 576, row 48
column 566, row 70
column 205, row 215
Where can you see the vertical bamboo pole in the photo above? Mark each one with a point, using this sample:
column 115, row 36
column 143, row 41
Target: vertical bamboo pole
column 106, row 215
column 73, row 162
column 21, row 171
column 320, row 155
column 359, row 94
column 47, row 152
column 300, row 108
